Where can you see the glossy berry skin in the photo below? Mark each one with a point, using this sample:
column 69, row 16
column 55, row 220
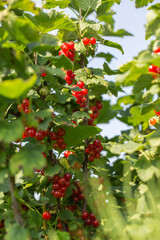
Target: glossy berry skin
column 58, row 194
column 80, row 84
column 95, row 223
column 25, row 103
column 152, row 68
column 157, row 113
column 71, row 45
column 43, row 74
column 88, row 221
column 86, row 41
column 84, row 91
column 152, row 121
column 46, row 215
column 32, row 132
column 62, row 181
column 39, row 136
column 64, row 47
column 61, row 132
column 157, row 50
column 63, row 146
column 60, row 53
column 84, row 215
column 93, row 40
column 66, row 154
column 67, row 176
column 53, row 136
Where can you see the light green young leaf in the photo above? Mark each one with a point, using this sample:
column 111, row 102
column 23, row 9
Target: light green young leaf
column 89, row 4
column 16, row 87
column 55, row 3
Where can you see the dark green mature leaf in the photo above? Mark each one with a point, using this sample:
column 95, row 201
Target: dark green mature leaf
column 16, row 87
column 106, row 113
column 142, row 3
column 108, row 57
column 16, row 230
column 10, row 131
column 56, row 3
column 114, row 45
column 110, row 71
column 112, row 88
column 89, row 4
column 144, row 81
column 66, row 214
column 61, row 62
column 46, row 22
column 20, row 29
column 52, row 170
column 75, row 135
column 30, row 158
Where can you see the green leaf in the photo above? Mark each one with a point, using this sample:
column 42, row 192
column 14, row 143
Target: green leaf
column 142, row 3
column 46, row 22
column 92, row 26
column 46, row 43
column 61, row 62
column 106, row 113
column 144, row 81
column 11, row 131
column 57, row 235
column 56, row 3
column 137, row 117
column 108, row 57
column 16, row 230
column 153, row 23
column 25, row 5
column 30, row 158
column 110, row 71
column 79, row 114
column 20, row 29
column 66, row 214
column 16, row 87
column 113, row 45
column 79, row 134
column 129, row 147
column 154, row 139
column 89, row 4
column 64, row 163
column 119, row 33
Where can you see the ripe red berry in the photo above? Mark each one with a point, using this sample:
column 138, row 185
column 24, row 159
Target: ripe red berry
column 64, row 47
column 90, row 121
column 95, row 223
column 55, row 145
column 93, row 40
column 157, row 50
column 39, row 136
column 63, row 189
column 92, row 216
column 86, row 41
column 157, row 113
column 43, row 74
column 53, row 136
column 70, row 54
column 56, row 186
column 152, row 68
column 63, row 146
column 62, row 181
column 32, row 132
column 20, row 108
column 61, row 132
column 66, row 154
column 88, row 221
column 67, row 184
column 25, row 103
column 80, row 84
column 60, row 141
column 84, row 91
column 97, row 143
column 84, row 215
column 71, row 45
column 91, row 158
column 99, row 105
column 67, row 176
column 27, row 110
column 152, row 121
column 58, row 194
column 60, row 52
column 46, row 215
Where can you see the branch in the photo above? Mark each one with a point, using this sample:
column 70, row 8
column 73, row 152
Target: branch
column 15, row 205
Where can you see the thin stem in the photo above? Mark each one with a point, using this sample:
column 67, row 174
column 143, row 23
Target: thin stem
column 15, row 205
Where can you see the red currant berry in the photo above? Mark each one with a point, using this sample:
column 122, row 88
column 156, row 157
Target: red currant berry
column 43, row 74
column 66, row 154
column 86, row 41
column 88, row 221
column 20, row 108
column 84, row 215
column 152, row 68
column 55, row 145
column 70, row 54
column 95, row 223
column 27, row 110
column 25, row 103
column 63, row 146
column 67, row 184
column 84, row 91
column 53, row 136
column 75, row 199
column 64, row 47
column 61, row 132
column 57, row 194
column 152, row 121
column 62, row 181
column 93, row 40
column 80, row 84
column 92, row 216
column 90, row 121
column 60, row 52
column 157, row 50
column 39, row 136
column 81, row 196
column 97, row 143
column 60, row 141
column 32, row 132
column 67, row 176
column 71, row 45
column 46, row 215
column 56, row 186
column 157, row 113
column 91, row 158
column 63, row 189
column 99, row 105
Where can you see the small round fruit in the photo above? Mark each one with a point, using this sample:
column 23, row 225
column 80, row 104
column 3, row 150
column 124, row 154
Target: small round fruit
column 46, row 215
column 62, row 181
column 84, row 215
column 67, row 176
column 39, row 136
column 57, row 194
column 32, row 132
column 63, row 146
column 86, row 41
column 157, row 113
column 152, row 121
column 80, row 84
column 95, row 223
column 61, row 132
column 43, row 74
column 71, row 45
column 25, row 102
column 93, row 40
column 53, row 136
column 84, row 91
column 152, row 68
column 64, row 47
column 88, row 221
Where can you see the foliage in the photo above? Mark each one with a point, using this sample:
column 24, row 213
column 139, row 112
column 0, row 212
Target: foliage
column 54, row 164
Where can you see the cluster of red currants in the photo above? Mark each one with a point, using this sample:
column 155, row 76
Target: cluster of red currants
column 24, row 106
column 60, row 185
column 32, row 132
column 94, row 150
column 78, row 233
column 90, row 219
column 77, row 194
column 46, row 215
column 95, row 112
column 87, row 41
column 68, row 50
column 80, row 95
column 72, row 207
column 70, row 76
column 58, row 138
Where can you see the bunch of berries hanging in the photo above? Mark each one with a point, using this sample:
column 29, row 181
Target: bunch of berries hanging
column 60, row 185
column 70, row 76
column 58, row 138
column 77, row 194
column 95, row 112
column 93, row 150
column 68, row 50
column 86, row 41
column 24, row 106
column 80, row 95
column 32, row 132
column 90, row 219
